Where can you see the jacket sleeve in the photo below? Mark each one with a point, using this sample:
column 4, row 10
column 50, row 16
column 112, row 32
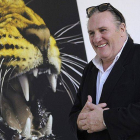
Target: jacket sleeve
column 123, row 123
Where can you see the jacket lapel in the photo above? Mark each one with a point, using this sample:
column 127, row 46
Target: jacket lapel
column 111, row 81
column 116, row 72
column 91, row 90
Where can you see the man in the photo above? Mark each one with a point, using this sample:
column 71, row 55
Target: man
column 107, row 106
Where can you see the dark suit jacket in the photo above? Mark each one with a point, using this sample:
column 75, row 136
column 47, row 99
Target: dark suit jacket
column 121, row 92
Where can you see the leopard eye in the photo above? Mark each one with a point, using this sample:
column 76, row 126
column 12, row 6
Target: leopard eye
column 33, row 38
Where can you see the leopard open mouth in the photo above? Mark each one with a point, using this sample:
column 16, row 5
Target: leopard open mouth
column 22, row 106
column 22, row 92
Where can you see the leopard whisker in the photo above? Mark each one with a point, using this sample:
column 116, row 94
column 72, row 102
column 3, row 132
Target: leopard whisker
column 11, row 73
column 72, row 62
column 1, row 70
column 74, row 57
column 65, row 42
column 1, row 85
column 75, row 39
column 72, row 68
column 1, row 62
column 2, row 80
column 72, row 41
column 68, row 29
column 0, row 76
column 65, row 28
column 10, row 59
column 67, row 89
column 60, row 43
column 1, row 89
column 62, row 38
column 29, row 2
column 78, row 42
column 10, row 68
column 62, row 29
column 63, row 67
column 71, row 78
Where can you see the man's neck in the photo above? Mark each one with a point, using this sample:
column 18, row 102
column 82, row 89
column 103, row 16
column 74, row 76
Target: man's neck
column 106, row 65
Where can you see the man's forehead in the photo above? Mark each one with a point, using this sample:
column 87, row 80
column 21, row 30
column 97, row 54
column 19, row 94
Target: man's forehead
column 101, row 19
column 102, row 15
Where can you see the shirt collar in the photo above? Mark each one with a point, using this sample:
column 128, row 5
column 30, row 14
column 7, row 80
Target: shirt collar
column 98, row 63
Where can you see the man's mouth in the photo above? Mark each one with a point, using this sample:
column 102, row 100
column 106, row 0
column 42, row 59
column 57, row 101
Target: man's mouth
column 101, row 46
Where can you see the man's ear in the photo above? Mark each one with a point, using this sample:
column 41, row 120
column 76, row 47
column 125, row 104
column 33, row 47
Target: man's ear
column 123, row 29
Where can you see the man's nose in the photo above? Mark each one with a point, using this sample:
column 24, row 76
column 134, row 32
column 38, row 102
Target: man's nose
column 97, row 38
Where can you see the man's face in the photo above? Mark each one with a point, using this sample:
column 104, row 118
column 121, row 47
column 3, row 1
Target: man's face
column 105, row 37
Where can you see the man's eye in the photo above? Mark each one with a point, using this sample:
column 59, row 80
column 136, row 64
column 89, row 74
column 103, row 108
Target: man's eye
column 102, row 30
column 91, row 33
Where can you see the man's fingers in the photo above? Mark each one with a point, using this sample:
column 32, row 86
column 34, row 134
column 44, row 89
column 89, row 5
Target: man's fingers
column 82, row 122
column 89, row 131
column 88, row 104
column 106, row 108
column 91, row 106
column 86, row 107
column 89, row 98
column 102, row 105
column 82, row 116
column 85, row 127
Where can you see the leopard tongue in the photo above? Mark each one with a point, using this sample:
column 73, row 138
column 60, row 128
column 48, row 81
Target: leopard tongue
column 25, row 85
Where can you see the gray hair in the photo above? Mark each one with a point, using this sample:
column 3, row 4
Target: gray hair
column 118, row 19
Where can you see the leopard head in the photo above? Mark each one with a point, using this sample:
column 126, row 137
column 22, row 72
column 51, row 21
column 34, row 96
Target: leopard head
column 27, row 51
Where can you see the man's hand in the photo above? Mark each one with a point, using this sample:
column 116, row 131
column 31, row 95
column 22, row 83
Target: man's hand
column 82, row 115
column 84, row 118
column 93, row 121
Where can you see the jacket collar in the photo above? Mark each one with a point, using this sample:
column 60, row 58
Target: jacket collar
column 117, row 71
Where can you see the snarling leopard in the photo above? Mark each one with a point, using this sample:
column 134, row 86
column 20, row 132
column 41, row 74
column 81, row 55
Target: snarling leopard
column 27, row 51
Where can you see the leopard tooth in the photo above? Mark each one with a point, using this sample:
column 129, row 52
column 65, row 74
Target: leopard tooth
column 25, row 86
column 35, row 72
column 27, row 129
column 47, row 130
column 49, row 125
column 53, row 81
column 49, row 71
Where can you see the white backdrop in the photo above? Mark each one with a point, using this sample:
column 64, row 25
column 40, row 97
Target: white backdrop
column 129, row 8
